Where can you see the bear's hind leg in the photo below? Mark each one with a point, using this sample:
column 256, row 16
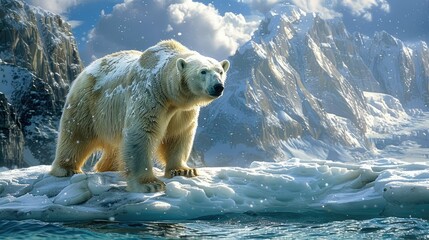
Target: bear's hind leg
column 70, row 157
column 109, row 160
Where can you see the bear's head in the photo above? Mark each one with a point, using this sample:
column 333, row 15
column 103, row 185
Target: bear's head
column 203, row 76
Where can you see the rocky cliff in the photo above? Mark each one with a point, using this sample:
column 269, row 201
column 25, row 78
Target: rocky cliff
column 38, row 60
column 11, row 138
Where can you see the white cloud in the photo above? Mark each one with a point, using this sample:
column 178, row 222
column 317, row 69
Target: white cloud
column 323, row 7
column 75, row 23
column 384, row 5
column 261, row 5
column 136, row 24
column 204, row 29
column 326, row 8
column 362, row 7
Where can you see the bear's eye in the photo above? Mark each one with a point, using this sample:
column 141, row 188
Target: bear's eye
column 203, row 72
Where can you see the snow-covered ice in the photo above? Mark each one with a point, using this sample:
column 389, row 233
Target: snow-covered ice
column 383, row 187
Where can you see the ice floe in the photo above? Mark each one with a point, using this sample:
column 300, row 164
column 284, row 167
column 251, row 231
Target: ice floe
column 383, row 187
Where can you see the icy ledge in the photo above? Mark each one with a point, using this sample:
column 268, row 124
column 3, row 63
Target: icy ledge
column 384, row 187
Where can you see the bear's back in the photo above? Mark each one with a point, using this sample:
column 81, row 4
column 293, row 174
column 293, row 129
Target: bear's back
column 112, row 68
column 123, row 68
column 173, row 46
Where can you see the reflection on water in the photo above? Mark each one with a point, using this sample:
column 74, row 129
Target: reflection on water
column 290, row 226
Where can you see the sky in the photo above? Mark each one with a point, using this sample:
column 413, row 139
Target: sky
column 105, row 26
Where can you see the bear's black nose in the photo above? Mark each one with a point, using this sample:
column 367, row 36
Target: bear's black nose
column 217, row 90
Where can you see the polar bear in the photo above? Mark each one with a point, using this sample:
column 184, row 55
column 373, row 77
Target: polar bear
column 134, row 107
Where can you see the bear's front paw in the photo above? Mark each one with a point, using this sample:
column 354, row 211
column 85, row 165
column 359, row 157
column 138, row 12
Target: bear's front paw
column 146, row 187
column 190, row 172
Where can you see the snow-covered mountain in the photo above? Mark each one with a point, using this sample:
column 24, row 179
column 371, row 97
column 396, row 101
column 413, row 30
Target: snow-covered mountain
column 296, row 89
column 38, row 60
column 401, row 70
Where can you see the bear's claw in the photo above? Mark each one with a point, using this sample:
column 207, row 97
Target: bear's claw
column 154, row 187
column 192, row 172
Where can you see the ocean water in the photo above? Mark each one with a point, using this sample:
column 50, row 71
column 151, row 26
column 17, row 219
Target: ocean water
column 233, row 226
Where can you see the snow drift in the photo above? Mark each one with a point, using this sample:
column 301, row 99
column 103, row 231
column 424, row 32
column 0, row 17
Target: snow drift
column 383, row 187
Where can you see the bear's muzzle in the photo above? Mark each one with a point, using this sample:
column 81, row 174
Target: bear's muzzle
column 217, row 90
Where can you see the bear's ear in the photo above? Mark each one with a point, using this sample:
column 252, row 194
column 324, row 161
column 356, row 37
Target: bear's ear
column 225, row 65
column 181, row 64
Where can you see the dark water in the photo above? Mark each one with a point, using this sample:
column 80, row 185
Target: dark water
column 243, row 226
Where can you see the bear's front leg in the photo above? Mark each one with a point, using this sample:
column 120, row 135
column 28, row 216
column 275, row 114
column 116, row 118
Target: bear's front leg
column 137, row 155
column 175, row 151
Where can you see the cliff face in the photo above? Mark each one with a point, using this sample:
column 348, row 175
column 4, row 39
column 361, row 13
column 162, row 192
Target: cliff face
column 11, row 138
column 38, row 60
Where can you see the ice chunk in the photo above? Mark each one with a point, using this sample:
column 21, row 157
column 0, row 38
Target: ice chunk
column 74, row 194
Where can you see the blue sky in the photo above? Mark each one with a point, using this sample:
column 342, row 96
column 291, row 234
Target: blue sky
column 105, row 26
